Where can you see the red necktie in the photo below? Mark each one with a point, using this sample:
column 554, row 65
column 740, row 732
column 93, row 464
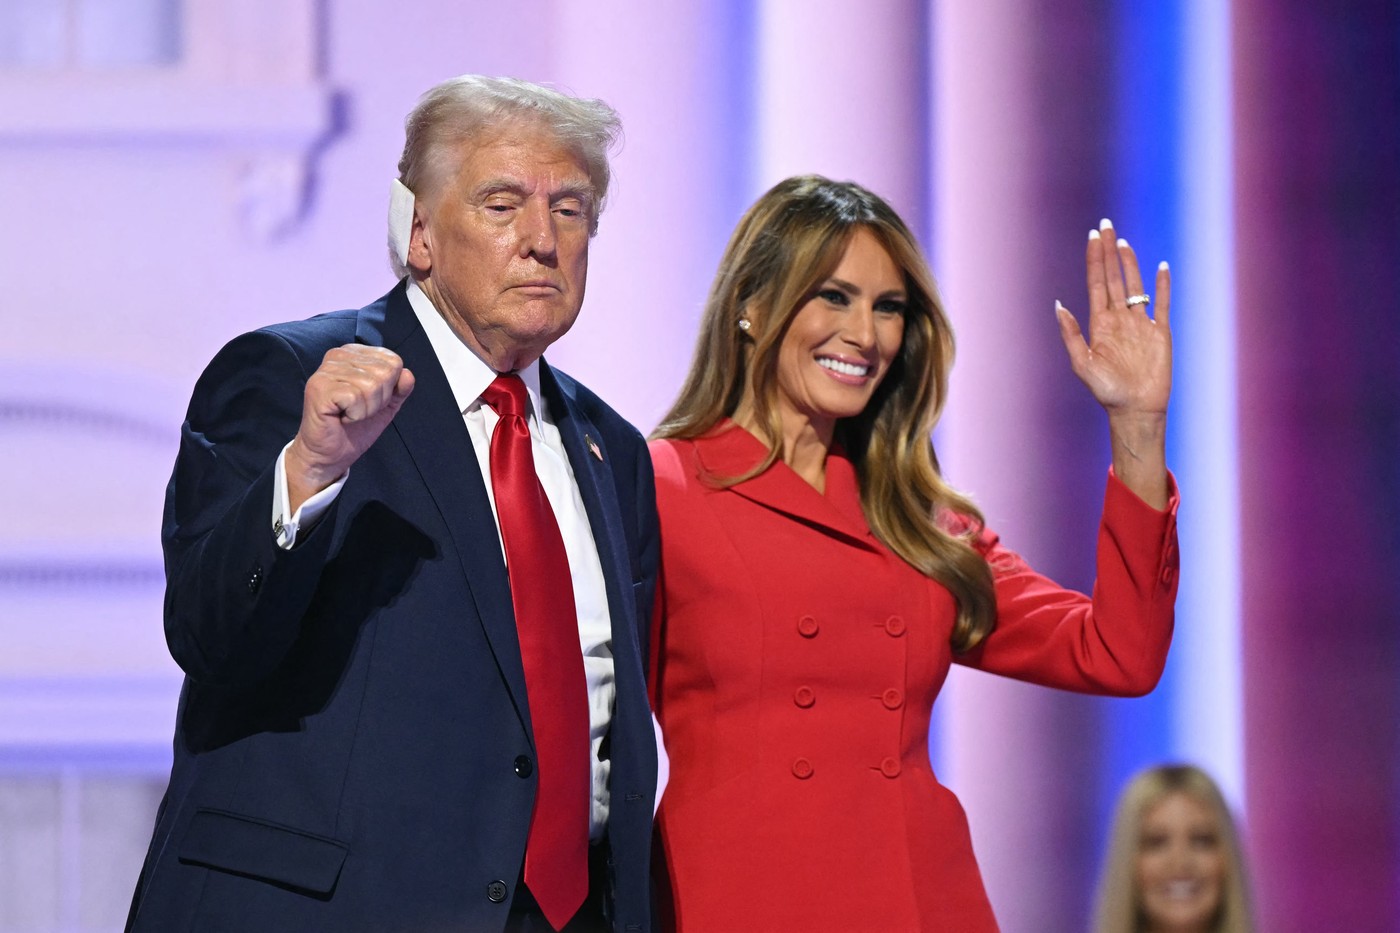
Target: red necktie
column 542, row 591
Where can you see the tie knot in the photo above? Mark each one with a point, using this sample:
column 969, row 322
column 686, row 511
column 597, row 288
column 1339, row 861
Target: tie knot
column 506, row 394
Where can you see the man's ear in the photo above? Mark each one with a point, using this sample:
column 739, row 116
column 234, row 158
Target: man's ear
column 420, row 247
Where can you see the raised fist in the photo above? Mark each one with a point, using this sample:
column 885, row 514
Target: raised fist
column 350, row 399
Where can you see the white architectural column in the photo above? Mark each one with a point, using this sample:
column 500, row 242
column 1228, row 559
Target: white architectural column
column 1209, row 717
column 1019, row 433
column 842, row 92
column 677, row 75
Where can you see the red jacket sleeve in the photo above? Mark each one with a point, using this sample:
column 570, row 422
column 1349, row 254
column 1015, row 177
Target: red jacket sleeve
column 1114, row 642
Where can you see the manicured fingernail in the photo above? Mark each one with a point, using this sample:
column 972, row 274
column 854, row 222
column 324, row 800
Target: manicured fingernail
column 1058, row 307
column 1093, row 234
column 1105, row 224
column 1122, row 243
column 1162, row 266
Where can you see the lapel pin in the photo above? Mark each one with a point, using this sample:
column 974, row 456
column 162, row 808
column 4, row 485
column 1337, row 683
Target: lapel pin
column 593, row 447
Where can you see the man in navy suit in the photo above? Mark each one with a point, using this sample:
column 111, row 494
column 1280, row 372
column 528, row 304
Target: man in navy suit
column 356, row 746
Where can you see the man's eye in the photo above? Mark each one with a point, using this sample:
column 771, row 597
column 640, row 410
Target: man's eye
column 568, row 211
column 497, row 208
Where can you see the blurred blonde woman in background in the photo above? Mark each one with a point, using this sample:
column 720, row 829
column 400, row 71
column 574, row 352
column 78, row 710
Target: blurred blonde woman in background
column 1174, row 863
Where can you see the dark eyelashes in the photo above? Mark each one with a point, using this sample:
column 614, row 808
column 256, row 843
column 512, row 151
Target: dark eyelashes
column 841, row 299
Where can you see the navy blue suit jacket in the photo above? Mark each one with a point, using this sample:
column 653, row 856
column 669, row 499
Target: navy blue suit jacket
column 353, row 709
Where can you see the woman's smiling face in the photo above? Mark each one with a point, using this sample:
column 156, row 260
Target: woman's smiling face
column 841, row 343
column 1180, row 865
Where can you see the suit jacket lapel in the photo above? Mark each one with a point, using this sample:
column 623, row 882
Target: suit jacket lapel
column 732, row 451
column 436, row 438
column 593, row 473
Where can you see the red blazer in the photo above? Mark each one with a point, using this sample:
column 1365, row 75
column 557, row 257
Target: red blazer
column 797, row 661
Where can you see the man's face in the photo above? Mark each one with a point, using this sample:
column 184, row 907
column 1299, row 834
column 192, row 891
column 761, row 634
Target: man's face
column 502, row 247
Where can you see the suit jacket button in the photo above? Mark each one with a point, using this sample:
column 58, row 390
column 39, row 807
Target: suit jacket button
column 892, row 699
column 804, row 697
column 255, row 579
column 890, row 767
column 802, row 769
column 807, row 627
column 524, row 767
column 894, row 626
column 496, row 891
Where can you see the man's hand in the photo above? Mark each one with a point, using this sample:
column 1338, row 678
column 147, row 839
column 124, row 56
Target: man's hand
column 349, row 401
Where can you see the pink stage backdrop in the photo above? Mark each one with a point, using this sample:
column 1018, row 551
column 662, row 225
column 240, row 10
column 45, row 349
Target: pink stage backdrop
column 174, row 172
column 1318, row 97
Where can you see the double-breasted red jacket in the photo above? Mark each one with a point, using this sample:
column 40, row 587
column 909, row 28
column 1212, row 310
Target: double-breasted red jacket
column 796, row 664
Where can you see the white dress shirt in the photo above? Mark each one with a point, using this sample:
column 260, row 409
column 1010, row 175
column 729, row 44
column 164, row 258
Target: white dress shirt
column 468, row 376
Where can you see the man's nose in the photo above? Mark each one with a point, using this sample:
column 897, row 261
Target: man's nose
column 538, row 237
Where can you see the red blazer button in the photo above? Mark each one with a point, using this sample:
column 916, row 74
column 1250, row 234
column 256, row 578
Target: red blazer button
column 894, row 626
column 802, row 769
column 890, row 767
column 807, row 627
column 804, row 696
column 892, row 699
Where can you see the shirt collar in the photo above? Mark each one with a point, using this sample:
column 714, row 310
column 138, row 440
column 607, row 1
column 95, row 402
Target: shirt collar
column 468, row 375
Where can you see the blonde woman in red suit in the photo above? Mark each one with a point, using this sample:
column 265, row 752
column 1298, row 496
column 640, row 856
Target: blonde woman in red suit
column 819, row 576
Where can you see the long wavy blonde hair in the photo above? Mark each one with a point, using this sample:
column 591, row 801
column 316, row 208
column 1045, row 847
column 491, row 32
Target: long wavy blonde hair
column 784, row 248
column 1119, row 907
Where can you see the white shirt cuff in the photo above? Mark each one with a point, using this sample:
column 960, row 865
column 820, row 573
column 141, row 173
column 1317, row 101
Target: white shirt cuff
column 285, row 527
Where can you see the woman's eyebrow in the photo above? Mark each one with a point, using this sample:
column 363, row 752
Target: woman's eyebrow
column 853, row 289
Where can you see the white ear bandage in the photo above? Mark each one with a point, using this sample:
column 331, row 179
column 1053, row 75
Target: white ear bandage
column 400, row 219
